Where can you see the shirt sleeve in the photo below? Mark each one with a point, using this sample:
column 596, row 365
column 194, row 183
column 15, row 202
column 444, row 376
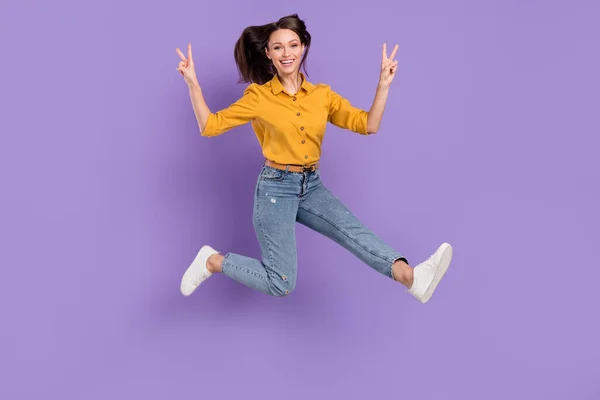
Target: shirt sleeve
column 344, row 115
column 238, row 113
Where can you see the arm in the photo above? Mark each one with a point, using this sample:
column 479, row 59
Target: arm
column 201, row 110
column 388, row 71
column 376, row 111
column 344, row 115
column 213, row 124
column 187, row 69
column 240, row 112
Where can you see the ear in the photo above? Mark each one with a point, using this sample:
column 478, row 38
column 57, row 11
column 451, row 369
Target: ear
column 267, row 53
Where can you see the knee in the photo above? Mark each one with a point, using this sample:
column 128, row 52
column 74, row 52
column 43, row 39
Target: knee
column 281, row 285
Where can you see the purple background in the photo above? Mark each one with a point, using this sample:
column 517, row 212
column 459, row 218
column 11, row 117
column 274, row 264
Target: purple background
column 489, row 142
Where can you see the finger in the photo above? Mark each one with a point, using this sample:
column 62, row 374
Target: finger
column 394, row 52
column 384, row 52
column 180, row 54
column 190, row 51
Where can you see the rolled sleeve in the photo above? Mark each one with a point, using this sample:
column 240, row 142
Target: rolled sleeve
column 344, row 115
column 238, row 113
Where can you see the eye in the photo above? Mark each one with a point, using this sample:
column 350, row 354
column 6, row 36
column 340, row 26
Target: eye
column 295, row 45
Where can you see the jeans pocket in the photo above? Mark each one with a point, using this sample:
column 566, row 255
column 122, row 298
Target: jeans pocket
column 272, row 174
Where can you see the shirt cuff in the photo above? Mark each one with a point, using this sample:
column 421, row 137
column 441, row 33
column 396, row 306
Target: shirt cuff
column 210, row 129
column 361, row 123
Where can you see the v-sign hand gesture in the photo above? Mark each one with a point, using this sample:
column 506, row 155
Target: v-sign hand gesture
column 186, row 66
column 388, row 66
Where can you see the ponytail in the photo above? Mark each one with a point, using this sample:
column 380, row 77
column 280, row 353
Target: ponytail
column 252, row 62
column 249, row 52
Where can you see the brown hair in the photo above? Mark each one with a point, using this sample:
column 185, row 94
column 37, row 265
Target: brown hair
column 252, row 62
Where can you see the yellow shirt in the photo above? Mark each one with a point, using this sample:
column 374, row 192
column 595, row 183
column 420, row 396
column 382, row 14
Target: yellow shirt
column 289, row 128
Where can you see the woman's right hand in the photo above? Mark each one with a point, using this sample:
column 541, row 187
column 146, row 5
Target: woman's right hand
column 186, row 66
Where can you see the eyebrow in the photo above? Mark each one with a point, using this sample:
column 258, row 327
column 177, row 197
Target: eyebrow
column 293, row 40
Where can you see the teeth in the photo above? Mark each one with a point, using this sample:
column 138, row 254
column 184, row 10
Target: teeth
column 287, row 62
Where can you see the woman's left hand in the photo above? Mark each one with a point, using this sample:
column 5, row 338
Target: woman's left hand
column 388, row 67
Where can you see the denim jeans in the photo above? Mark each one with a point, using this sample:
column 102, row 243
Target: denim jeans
column 283, row 198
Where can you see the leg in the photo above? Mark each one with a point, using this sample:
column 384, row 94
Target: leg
column 321, row 211
column 324, row 213
column 274, row 218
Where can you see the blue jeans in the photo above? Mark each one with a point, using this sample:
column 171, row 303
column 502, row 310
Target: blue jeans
column 283, row 198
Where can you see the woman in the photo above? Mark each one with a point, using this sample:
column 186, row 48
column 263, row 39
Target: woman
column 289, row 116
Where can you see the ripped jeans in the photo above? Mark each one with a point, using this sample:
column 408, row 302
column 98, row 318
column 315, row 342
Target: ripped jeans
column 283, row 198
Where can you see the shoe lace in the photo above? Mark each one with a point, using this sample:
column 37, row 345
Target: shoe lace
column 203, row 275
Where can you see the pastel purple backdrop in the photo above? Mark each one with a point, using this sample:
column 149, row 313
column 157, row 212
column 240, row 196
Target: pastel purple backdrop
column 489, row 142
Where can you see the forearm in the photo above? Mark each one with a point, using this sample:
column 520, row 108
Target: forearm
column 201, row 110
column 376, row 111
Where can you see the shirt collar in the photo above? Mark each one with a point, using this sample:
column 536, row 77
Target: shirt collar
column 277, row 87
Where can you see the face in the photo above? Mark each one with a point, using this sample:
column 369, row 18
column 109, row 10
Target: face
column 285, row 50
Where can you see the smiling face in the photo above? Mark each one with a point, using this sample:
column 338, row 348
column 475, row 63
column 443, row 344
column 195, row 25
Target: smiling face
column 285, row 50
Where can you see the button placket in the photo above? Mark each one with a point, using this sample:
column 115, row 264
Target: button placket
column 303, row 141
column 302, row 129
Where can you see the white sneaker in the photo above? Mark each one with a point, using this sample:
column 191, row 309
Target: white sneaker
column 197, row 272
column 429, row 273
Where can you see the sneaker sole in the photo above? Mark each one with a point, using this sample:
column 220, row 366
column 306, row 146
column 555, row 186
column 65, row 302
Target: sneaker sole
column 446, row 250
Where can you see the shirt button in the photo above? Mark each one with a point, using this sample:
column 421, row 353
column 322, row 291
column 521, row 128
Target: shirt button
column 298, row 114
column 294, row 98
column 305, row 156
column 303, row 141
column 301, row 128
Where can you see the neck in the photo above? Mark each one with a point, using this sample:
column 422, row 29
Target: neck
column 291, row 83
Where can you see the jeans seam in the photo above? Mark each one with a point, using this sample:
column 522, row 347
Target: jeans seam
column 267, row 241
column 251, row 272
column 245, row 270
column 348, row 235
column 262, row 230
